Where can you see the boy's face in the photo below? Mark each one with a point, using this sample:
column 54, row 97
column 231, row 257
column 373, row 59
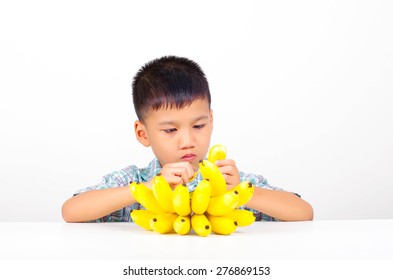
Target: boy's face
column 177, row 135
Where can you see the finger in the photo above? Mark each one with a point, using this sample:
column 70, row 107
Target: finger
column 226, row 177
column 229, row 180
column 173, row 174
column 184, row 173
column 176, row 171
column 190, row 171
column 174, row 180
column 225, row 162
column 184, row 164
column 185, row 178
column 230, row 170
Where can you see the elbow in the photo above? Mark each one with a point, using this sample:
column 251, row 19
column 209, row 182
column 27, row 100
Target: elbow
column 67, row 213
column 301, row 210
column 303, row 213
column 308, row 213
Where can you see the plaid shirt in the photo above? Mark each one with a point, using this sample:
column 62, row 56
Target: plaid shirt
column 132, row 173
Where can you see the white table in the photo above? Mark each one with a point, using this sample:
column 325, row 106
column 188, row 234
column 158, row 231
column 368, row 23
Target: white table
column 317, row 240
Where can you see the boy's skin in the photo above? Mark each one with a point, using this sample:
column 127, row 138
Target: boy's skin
column 180, row 138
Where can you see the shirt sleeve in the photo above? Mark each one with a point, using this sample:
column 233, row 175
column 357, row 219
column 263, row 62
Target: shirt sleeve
column 114, row 180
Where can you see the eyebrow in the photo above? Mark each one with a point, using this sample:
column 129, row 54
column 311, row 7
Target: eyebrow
column 174, row 122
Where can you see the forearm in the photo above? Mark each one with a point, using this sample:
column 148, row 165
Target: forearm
column 284, row 206
column 92, row 205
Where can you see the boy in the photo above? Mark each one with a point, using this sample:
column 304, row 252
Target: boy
column 172, row 101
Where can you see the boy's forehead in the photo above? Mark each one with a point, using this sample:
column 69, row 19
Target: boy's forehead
column 197, row 110
column 174, row 121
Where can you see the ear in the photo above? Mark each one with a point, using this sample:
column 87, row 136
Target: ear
column 141, row 133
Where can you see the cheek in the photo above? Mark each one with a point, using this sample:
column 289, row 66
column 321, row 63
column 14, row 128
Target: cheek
column 204, row 142
column 207, row 134
column 163, row 148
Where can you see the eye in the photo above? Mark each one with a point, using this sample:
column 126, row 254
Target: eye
column 170, row 130
column 199, row 126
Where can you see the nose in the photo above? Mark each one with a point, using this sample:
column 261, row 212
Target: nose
column 186, row 140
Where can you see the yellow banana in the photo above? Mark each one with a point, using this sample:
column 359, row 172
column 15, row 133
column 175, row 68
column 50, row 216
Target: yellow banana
column 201, row 225
column 222, row 225
column 145, row 197
column 245, row 190
column 142, row 218
column 163, row 193
column 163, row 223
column 222, row 204
column 181, row 200
column 242, row 217
column 211, row 172
column 193, row 176
column 133, row 189
column 201, row 197
column 217, row 152
column 182, row 225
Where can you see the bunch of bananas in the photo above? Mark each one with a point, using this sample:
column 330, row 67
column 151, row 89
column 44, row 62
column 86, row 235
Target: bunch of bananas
column 210, row 208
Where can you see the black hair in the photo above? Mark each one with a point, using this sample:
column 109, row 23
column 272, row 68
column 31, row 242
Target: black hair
column 168, row 82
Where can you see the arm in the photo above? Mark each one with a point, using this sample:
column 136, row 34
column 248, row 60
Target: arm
column 94, row 204
column 282, row 205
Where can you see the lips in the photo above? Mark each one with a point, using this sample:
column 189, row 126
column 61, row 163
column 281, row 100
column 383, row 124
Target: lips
column 189, row 157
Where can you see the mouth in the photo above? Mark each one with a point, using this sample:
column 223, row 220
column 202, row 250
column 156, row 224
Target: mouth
column 189, row 157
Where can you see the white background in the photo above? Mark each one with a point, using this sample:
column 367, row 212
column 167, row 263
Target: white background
column 302, row 94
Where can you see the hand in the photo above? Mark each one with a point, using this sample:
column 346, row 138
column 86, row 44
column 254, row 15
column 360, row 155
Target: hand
column 229, row 171
column 177, row 173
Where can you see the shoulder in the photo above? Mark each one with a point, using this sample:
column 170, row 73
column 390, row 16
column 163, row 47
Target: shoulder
column 135, row 174
column 124, row 176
